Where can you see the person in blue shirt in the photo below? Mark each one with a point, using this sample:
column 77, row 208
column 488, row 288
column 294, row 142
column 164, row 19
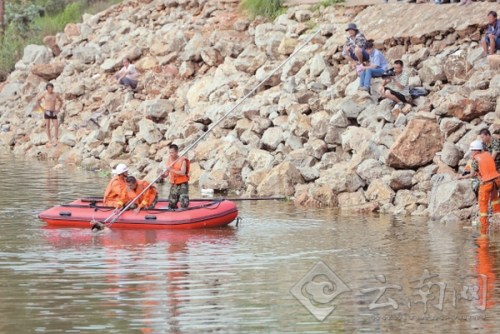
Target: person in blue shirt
column 378, row 65
column 491, row 41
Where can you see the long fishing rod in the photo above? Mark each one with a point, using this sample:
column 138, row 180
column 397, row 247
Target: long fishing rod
column 113, row 217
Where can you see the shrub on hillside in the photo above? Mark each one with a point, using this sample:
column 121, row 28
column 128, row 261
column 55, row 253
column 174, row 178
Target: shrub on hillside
column 267, row 8
column 28, row 24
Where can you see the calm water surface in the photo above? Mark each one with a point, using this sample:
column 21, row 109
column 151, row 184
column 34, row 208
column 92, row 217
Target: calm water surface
column 389, row 275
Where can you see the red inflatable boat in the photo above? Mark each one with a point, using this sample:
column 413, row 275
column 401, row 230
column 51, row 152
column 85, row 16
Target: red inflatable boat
column 200, row 214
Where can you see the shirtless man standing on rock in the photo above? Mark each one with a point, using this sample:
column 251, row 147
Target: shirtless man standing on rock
column 50, row 110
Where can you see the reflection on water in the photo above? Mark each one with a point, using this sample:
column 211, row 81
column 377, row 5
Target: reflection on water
column 403, row 275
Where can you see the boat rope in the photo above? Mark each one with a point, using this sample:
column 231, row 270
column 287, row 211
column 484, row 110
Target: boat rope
column 113, row 217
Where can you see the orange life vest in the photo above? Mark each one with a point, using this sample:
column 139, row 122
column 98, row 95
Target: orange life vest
column 486, row 166
column 177, row 166
column 147, row 199
column 116, row 192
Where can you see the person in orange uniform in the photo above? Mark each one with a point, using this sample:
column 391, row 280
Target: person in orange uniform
column 483, row 166
column 178, row 174
column 134, row 188
column 116, row 191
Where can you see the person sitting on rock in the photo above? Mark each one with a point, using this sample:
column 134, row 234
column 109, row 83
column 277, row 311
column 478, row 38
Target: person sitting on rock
column 491, row 145
column 127, row 76
column 147, row 200
column 116, row 191
column 396, row 88
column 483, row 166
column 491, row 42
column 178, row 173
column 354, row 48
column 377, row 67
column 50, row 109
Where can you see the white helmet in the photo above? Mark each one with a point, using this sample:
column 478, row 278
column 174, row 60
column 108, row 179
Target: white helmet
column 120, row 169
column 476, row 145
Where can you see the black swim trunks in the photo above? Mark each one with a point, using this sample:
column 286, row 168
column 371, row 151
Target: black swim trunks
column 49, row 114
column 400, row 96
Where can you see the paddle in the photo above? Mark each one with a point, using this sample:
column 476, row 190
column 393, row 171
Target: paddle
column 97, row 226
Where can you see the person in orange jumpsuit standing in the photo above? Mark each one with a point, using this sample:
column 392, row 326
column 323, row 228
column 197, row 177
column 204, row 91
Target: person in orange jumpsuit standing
column 116, row 191
column 134, row 188
column 483, row 166
column 178, row 173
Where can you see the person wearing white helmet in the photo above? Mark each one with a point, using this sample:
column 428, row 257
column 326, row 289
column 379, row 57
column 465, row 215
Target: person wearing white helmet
column 116, row 191
column 483, row 167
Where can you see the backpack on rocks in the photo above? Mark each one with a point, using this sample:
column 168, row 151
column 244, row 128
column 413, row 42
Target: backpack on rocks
column 418, row 91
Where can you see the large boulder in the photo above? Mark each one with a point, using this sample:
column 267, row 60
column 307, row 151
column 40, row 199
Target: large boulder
column 401, row 179
column 86, row 54
column 416, row 146
column 303, row 15
column 157, row 109
column 48, row 71
column 405, row 202
column 450, row 125
column 455, row 68
column 467, row 108
column 318, row 65
column 260, row 159
column 340, row 178
column 450, row 154
column 211, row 56
column 36, row 54
column 494, row 62
column 281, row 180
column 432, row 70
column 71, row 30
column 268, row 37
column 10, row 90
column 192, row 51
column 355, row 138
column 348, row 201
column 250, row 60
column 149, row 131
column 112, row 151
column 68, row 138
column 379, row 191
column 449, row 195
column 287, row 46
column 215, row 179
column 51, row 43
column 272, row 138
column 372, row 169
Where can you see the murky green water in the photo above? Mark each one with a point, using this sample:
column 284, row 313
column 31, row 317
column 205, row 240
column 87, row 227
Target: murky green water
column 236, row 280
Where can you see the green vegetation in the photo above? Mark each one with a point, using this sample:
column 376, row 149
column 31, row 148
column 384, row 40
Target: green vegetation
column 268, row 8
column 326, row 3
column 30, row 23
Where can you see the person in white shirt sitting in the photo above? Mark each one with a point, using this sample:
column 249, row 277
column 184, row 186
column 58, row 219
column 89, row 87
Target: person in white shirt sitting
column 127, row 76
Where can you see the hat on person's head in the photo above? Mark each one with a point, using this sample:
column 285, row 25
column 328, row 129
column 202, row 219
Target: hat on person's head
column 352, row 26
column 476, row 145
column 120, row 169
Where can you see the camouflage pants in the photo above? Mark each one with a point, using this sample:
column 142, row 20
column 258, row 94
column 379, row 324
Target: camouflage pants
column 179, row 193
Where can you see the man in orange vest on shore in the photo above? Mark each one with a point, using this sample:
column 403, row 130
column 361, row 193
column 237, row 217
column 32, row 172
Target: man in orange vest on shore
column 147, row 200
column 178, row 174
column 116, row 191
column 483, row 166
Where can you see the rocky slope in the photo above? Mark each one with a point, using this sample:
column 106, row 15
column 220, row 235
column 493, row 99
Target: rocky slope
column 308, row 133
